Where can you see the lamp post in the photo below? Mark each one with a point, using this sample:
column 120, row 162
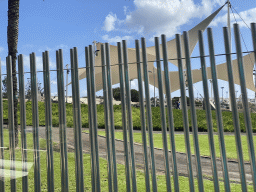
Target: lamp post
column 222, row 93
column 154, row 85
column 67, row 83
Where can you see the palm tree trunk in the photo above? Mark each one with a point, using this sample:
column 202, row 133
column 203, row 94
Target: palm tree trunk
column 12, row 40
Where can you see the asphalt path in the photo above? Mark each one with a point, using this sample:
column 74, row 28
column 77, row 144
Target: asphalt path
column 159, row 156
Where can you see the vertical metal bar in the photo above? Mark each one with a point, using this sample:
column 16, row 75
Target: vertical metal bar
column 74, row 104
column 163, row 117
column 62, row 121
column 142, row 117
column 185, row 113
column 106, row 113
column 23, row 122
column 193, row 119
column 11, row 122
column 219, row 118
column 94, row 115
column 253, row 29
column 129, row 115
column 124, row 118
column 37, row 177
column 247, row 115
column 208, row 112
column 218, row 110
column 78, row 125
column 2, row 180
column 91, row 134
column 111, row 117
column 170, row 114
column 149, row 114
column 48, row 121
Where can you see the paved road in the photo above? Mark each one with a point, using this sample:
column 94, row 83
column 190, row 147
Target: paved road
column 139, row 159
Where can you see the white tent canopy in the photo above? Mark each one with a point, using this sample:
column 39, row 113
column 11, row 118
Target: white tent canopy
column 172, row 54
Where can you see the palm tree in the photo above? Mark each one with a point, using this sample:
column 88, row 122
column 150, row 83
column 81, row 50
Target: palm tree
column 12, row 40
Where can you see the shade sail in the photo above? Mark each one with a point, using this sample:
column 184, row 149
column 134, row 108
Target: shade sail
column 172, row 54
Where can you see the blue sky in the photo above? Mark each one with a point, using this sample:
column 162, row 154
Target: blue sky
column 64, row 24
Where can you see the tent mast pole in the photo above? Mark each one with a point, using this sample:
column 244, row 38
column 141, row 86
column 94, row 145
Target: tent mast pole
column 229, row 31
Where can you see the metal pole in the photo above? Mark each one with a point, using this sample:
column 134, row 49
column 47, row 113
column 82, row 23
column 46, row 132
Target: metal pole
column 194, row 121
column 94, row 115
column 48, row 121
column 208, row 111
column 124, row 117
column 142, row 116
column 149, row 113
column 154, row 87
column 2, row 180
column 111, row 117
column 184, row 112
column 35, row 116
column 247, row 115
column 62, row 120
column 11, row 122
column 163, row 117
column 170, row 114
column 106, row 114
column 222, row 95
column 78, row 125
column 129, row 115
column 90, row 117
column 67, row 83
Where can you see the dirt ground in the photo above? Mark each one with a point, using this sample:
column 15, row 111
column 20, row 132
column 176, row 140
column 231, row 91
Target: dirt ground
column 159, row 156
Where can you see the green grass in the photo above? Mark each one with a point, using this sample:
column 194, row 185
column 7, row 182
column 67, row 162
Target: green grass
column 183, row 181
column 177, row 116
column 203, row 143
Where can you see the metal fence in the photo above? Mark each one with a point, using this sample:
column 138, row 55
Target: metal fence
column 219, row 171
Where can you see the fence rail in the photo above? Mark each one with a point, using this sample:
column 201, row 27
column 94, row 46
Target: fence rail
column 195, row 169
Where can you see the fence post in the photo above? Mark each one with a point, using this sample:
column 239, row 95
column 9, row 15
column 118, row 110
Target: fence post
column 247, row 115
column 149, row 114
column 124, row 117
column 62, row 121
column 163, row 117
column 170, row 114
column 142, row 116
column 23, row 122
column 35, row 121
column 106, row 114
column 184, row 112
column 129, row 115
column 111, row 118
column 90, row 117
column 94, row 119
column 77, row 120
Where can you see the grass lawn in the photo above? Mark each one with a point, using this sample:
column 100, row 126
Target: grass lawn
column 184, row 185
column 177, row 117
column 203, row 143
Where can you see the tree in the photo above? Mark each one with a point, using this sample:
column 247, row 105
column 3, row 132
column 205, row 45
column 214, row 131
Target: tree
column 117, row 94
column 4, row 88
column 12, row 40
column 135, row 95
column 28, row 89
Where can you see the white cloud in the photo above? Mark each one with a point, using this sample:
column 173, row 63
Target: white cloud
column 248, row 17
column 109, row 23
column 1, row 49
column 53, row 82
column 154, row 17
column 116, row 38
